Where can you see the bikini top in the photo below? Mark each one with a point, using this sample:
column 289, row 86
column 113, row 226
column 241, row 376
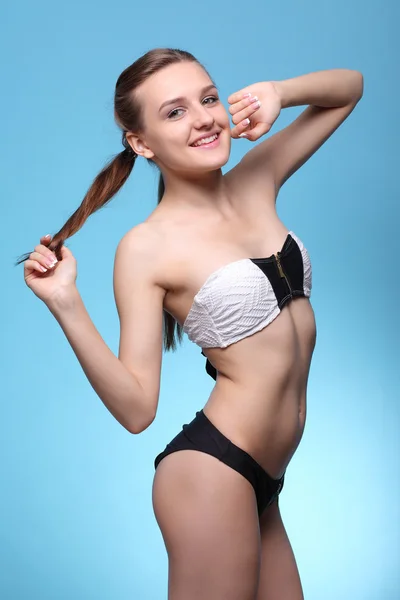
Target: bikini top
column 244, row 296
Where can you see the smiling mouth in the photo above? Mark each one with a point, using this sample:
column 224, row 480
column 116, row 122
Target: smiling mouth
column 210, row 140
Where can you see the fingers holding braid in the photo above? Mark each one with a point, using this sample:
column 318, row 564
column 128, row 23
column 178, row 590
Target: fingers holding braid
column 42, row 258
column 46, row 276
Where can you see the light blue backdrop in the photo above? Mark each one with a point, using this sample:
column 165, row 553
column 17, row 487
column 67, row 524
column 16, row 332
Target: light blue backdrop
column 76, row 515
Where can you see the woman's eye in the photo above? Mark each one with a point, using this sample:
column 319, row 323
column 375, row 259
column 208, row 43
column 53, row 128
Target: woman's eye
column 211, row 98
column 174, row 111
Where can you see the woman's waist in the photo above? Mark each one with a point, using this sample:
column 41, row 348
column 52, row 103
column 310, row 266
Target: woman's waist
column 260, row 423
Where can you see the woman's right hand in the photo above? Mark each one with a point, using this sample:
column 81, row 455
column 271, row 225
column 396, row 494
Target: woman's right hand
column 56, row 280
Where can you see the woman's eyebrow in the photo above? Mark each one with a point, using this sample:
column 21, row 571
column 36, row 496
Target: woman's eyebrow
column 181, row 98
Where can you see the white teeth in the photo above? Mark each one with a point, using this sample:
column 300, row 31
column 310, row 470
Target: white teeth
column 206, row 140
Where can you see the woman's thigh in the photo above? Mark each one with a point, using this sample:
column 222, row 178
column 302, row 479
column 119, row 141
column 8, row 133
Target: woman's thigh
column 207, row 513
column 279, row 576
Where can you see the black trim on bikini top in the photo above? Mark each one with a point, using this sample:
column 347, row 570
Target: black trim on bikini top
column 287, row 282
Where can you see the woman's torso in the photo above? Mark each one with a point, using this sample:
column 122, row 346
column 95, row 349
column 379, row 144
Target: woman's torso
column 259, row 400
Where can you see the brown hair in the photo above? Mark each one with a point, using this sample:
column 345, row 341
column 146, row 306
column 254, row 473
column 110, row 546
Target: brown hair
column 128, row 116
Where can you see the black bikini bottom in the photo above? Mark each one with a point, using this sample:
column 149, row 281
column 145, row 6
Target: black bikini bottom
column 200, row 434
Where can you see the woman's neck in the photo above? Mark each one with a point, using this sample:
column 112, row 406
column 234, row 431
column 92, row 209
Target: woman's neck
column 208, row 191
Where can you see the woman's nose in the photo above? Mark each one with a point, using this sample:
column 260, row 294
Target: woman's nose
column 202, row 116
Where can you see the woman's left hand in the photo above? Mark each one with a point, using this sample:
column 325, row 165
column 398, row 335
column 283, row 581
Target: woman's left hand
column 261, row 117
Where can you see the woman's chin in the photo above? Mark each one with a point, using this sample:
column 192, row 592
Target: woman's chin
column 210, row 159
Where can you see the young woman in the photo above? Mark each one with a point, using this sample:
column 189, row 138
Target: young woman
column 215, row 261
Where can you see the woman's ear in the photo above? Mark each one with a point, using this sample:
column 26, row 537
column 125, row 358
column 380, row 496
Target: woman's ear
column 138, row 145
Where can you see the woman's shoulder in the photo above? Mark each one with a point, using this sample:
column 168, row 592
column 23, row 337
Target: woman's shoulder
column 144, row 241
column 141, row 237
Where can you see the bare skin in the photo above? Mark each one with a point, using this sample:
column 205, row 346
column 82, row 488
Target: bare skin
column 258, row 402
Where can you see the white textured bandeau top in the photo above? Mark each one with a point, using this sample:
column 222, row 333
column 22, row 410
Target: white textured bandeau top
column 244, row 296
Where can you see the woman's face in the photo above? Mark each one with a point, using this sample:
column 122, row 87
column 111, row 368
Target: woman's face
column 180, row 106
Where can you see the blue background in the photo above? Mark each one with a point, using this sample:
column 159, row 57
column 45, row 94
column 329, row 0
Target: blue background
column 76, row 515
